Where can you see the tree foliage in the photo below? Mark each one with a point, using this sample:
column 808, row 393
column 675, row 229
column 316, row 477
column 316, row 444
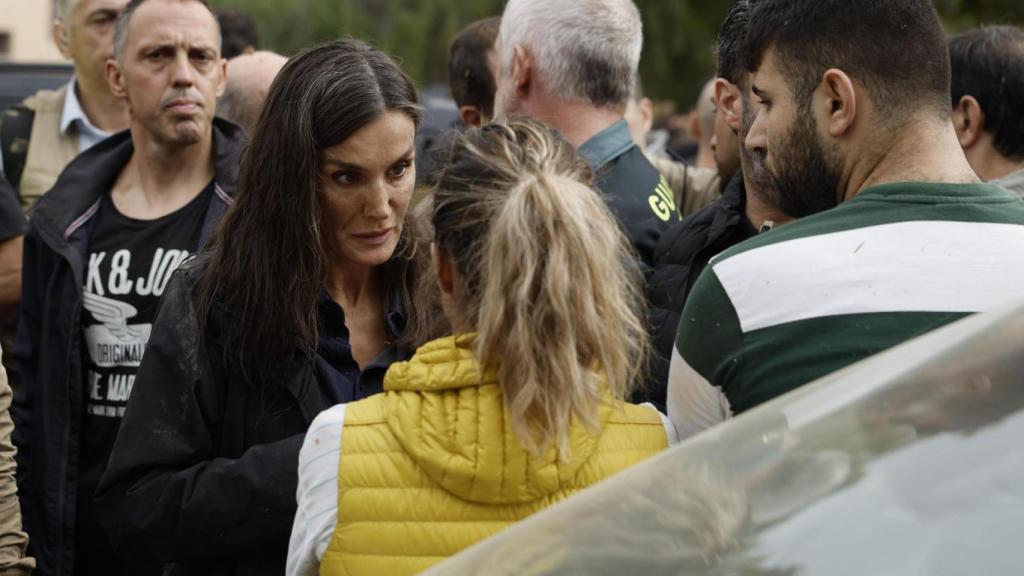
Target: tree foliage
column 678, row 43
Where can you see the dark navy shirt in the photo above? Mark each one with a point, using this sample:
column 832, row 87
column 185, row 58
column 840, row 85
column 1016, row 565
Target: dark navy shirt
column 337, row 372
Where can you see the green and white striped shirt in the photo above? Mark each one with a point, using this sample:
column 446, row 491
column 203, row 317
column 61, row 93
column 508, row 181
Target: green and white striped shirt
column 795, row 304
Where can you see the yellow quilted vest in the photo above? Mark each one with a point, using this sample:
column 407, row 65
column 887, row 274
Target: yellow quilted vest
column 431, row 466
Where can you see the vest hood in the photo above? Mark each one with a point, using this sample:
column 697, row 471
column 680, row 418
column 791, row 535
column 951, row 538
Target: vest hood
column 450, row 418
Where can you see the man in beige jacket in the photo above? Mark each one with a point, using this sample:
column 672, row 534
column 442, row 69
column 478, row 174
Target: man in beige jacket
column 40, row 136
column 44, row 133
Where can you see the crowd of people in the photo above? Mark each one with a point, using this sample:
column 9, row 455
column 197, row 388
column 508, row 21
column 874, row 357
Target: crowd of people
column 242, row 339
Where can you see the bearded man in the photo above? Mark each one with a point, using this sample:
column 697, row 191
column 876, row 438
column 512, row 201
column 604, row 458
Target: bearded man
column 896, row 236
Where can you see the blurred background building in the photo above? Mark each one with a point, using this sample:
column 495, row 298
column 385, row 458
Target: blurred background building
column 25, row 32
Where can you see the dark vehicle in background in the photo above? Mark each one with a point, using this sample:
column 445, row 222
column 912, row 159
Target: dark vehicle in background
column 910, row 463
column 18, row 81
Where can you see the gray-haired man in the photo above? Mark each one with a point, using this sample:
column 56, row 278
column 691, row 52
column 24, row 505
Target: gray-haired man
column 573, row 64
column 58, row 125
column 40, row 136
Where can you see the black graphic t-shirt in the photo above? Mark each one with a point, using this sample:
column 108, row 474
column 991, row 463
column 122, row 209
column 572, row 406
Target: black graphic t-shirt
column 130, row 262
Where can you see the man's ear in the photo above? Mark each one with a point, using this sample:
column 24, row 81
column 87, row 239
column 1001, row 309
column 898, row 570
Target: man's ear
column 728, row 103
column 839, row 97
column 522, row 71
column 223, row 77
column 60, row 38
column 969, row 122
column 646, row 107
column 115, row 79
column 471, row 116
column 694, row 126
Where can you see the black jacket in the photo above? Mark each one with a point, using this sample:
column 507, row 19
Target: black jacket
column 636, row 194
column 48, row 404
column 204, row 471
column 216, row 493
column 681, row 255
column 629, row 183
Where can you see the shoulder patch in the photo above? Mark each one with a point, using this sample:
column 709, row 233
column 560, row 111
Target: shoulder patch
column 662, row 201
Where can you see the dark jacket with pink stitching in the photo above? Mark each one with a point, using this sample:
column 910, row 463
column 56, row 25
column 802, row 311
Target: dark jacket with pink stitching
column 47, row 406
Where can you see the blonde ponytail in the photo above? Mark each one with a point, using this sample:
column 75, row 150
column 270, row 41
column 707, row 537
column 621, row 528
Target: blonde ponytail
column 551, row 278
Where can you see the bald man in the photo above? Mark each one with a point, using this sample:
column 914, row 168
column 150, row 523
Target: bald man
column 249, row 79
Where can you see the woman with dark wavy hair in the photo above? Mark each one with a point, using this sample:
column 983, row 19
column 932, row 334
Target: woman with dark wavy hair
column 302, row 301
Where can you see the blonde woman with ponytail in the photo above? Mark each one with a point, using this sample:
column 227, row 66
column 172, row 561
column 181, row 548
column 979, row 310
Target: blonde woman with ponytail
column 523, row 406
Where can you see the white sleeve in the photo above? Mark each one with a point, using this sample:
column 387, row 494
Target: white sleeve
column 317, row 495
column 693, row 403
column 670, row 428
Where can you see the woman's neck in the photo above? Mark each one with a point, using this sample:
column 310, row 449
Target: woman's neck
column 461, row 327
column 356, row 290
column 352, row 285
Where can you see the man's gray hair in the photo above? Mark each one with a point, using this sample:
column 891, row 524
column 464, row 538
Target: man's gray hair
column 62, row 10
column 584, row 50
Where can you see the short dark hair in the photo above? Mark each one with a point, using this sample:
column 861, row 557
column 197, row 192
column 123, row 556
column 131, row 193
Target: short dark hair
column 125, row 18
column 895, row 48
column 731, row 36
column 237, row 32
column 988, row 64
column 469, row 77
